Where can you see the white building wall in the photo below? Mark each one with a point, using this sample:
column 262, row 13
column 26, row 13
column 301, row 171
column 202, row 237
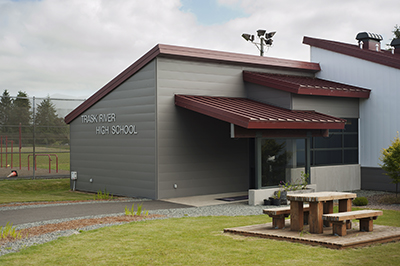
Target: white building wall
column 379, row 115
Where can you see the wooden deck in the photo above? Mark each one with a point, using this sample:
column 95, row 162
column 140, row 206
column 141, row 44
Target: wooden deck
column 354, row 238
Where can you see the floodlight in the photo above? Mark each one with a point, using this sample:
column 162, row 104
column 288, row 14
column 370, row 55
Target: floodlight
column 261, row 33
column 268, row 42
column 270, row 35
column 265, row 39
column 248, row 37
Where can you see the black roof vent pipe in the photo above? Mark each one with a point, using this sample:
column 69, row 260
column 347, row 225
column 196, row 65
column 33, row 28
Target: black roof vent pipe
column 369, row 41
column 396, row 44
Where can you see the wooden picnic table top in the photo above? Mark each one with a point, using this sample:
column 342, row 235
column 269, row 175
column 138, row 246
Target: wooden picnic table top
column 321, row 196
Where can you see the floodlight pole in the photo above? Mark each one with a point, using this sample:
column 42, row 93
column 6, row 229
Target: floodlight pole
column 265, row 39
column 261, row 47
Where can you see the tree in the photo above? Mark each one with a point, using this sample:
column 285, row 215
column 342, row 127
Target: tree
column 48, row 124
column 5, row 111
column 396, row 32
column 390, row 159
column 21, row 110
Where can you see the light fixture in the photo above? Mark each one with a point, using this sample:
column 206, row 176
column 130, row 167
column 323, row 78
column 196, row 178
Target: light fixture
column 265, row 39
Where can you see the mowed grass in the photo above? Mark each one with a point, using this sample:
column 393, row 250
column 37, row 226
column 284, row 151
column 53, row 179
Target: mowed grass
column 41, row 160
column 39, row 190
column 193, row 241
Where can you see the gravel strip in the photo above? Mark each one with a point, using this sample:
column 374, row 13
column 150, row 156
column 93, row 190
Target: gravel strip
column 229, row 209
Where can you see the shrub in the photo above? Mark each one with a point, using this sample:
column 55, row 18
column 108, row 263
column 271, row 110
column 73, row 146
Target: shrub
column 360, row 201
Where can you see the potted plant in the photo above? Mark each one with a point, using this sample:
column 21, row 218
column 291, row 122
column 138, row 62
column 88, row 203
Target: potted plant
column 277, row 198
column 267, row 201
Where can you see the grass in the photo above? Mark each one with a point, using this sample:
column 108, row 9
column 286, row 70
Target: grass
column 41, row 161
column 192, row 241
column 183, row 241
column 39, row 190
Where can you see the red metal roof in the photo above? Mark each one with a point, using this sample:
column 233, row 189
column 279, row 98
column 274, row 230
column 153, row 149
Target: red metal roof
column 305, row 85
column 255, row 115
column 191, row 54
column 382, row 57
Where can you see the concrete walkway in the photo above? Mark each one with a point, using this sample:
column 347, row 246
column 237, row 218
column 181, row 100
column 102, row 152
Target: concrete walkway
column 38, row 213
column 41, row 212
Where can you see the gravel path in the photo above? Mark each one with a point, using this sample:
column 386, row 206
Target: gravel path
column 230, row 209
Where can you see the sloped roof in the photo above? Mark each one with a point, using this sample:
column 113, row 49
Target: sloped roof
column 191, row 54
column 255, row 115
column 305, row 85
column 382, row 57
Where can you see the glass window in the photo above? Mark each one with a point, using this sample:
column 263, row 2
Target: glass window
column 350, row 156
column 328, row 157
column 341, row 147
column 333, row 141
column 351, row 140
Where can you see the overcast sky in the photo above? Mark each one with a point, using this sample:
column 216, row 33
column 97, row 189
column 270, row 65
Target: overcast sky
column 74, row 47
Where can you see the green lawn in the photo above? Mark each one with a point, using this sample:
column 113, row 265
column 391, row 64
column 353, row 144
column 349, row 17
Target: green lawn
column 193, row 241
column 183, row 241
column 41, row 161
column 39, row 190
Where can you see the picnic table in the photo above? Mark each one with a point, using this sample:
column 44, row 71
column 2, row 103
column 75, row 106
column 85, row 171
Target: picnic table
column 319, row 203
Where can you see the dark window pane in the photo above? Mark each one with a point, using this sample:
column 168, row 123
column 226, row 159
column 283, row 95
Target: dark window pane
column 351, row 141
column 301, row 144
column 333, row 141
column 328, row 157
column 351, row 156
column 351, row 125
column 301, row 158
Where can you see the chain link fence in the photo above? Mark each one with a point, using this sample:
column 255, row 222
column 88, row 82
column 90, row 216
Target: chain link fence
column 34, row 139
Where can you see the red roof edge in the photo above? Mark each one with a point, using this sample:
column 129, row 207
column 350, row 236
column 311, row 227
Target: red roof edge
column 383, row 57
column 191, row 54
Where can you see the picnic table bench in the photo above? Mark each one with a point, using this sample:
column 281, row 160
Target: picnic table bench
column 338, row 220
column 279, row 214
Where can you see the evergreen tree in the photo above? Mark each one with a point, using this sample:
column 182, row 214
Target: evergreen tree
column 21, row 110
column 5, row 112
column 50, row 127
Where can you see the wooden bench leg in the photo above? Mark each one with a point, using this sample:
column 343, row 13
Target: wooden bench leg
column 306, row 216
column 278, row 221
column 366, row 225
column 339, row 228
column 345, row 206
column 328, row 208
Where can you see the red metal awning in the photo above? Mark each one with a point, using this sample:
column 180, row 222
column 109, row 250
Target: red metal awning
column 305, row 85
column 250, row 114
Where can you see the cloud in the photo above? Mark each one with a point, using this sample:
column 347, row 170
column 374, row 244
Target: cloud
column 75, row 47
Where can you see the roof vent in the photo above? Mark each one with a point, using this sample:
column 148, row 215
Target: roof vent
column 369, row 41
column 396, row 44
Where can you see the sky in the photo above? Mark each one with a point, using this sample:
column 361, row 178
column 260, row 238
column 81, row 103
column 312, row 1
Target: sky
column 72, row 48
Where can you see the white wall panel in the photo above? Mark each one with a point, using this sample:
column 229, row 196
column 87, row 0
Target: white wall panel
column 379, row 115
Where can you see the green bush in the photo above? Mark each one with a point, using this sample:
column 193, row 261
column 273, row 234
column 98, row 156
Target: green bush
column 360, row 201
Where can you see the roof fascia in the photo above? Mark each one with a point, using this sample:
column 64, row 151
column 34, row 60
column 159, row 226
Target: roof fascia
column 191, row 54
column 348, row 49
column 296, row 89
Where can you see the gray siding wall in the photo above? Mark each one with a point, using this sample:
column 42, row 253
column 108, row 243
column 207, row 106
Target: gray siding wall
column 124, row 164
column 195, row 151
column 335, row 106
column 269, row 96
